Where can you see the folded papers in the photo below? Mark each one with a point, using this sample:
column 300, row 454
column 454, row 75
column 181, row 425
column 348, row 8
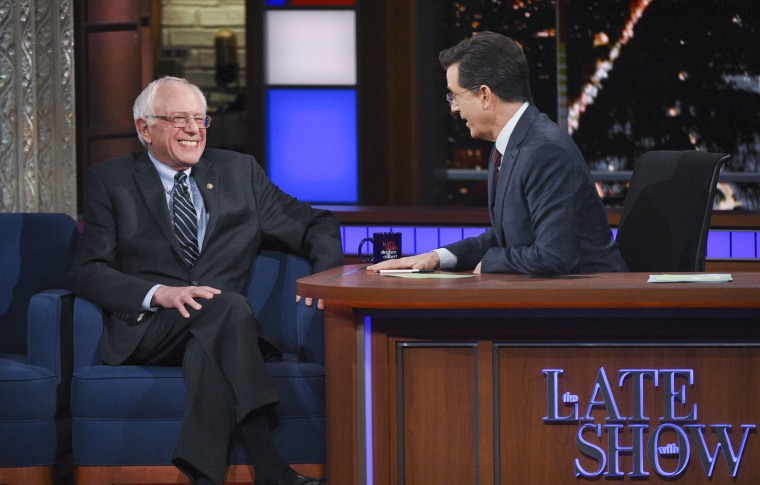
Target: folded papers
column 690, row 278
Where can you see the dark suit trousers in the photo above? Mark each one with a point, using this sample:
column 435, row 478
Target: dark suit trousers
column 225, row 378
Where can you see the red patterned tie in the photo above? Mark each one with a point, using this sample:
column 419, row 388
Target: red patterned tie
column 496, row 167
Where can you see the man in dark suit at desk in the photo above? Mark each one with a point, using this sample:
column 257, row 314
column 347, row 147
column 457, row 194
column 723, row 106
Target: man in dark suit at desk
column 546, row 216
column 170, row 236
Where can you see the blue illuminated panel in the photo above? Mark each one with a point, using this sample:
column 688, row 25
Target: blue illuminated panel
column 426, row 239
column 450, row 235
column 420, row 239
column 473, row 231
column 743, row 244
column 352, row 236
column 408, row 247
column 312, row 143
column 719, row 244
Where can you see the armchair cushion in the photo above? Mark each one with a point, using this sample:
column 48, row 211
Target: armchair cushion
column 35, row 421
column 164, row 387
column 23, row 388
column 28, row 434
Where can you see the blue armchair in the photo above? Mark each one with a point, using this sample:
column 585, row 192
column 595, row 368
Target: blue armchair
column 127, row 418
column 36, row 251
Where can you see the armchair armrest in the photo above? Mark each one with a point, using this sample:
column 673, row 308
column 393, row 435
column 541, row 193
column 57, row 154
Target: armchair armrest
column 310, row 324
column 297, row 328
column 50, row 343
column 50, row 337
column 88, row 330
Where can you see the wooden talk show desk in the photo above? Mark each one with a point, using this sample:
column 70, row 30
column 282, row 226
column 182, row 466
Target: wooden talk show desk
column 517, row 380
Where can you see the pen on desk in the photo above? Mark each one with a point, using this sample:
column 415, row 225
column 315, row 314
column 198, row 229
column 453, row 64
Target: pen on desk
column 411, row 270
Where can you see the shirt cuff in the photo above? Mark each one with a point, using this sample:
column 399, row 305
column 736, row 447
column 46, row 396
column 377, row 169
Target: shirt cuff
column 146, row 301
column 448, row 260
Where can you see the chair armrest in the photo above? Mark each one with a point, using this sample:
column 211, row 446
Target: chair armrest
column 88, row 329
column 310, row 324
column 49, row 330
column 50, row 338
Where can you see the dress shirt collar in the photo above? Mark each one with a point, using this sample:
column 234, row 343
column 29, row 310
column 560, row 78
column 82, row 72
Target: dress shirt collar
column 167, row 174
column 503, row 139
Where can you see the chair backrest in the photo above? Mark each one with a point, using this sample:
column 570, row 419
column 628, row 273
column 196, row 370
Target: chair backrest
column 666, row 212
column 272, row 292
column 36, row 251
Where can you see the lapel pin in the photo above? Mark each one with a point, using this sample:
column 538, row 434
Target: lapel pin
column 209, row 186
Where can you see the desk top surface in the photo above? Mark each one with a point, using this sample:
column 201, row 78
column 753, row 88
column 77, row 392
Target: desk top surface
column 356, row 287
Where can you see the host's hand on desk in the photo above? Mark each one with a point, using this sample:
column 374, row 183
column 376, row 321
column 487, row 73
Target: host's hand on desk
column 421, row 261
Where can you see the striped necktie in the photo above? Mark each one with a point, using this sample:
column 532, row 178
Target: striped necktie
column 185, row 219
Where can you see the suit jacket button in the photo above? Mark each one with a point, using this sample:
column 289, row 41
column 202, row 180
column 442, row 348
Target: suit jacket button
column 195, row 283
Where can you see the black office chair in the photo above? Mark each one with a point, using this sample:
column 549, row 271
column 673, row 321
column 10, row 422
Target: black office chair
column 666, row 212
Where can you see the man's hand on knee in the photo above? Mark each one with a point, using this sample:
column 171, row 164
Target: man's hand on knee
column 179, row 296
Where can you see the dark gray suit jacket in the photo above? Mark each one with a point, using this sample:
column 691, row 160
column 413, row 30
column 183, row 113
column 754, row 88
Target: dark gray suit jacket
column 546, row 216
column 128, row 245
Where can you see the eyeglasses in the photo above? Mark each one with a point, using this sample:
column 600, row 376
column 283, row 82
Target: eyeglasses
column 181, row 121
column 451, row 97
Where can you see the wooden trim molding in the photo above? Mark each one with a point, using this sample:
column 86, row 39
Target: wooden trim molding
column 108, row 475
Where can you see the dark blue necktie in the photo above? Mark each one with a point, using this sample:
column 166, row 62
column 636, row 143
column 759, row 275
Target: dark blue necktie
column 185, row 219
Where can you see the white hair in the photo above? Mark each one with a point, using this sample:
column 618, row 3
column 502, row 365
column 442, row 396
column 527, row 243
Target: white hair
column 145, row 104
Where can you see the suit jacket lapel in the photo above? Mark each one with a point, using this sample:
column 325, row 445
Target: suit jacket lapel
column 507, row 167
column 207, row 179
column 505, row 173
column 152, row 191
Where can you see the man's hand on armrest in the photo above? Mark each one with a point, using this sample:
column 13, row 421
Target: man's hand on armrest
column 310, row 301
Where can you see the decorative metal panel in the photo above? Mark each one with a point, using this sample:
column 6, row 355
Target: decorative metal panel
column 37, row 118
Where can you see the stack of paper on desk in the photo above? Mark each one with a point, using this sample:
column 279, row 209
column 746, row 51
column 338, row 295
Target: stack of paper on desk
column 690, row 278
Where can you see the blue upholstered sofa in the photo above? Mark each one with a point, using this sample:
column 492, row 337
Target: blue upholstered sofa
column 36, row 251
column 127, row 417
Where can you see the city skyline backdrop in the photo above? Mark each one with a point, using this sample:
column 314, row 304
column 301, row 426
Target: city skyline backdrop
column 638, row 75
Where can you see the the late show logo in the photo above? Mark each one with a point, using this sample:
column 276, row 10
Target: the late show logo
column 681, row 433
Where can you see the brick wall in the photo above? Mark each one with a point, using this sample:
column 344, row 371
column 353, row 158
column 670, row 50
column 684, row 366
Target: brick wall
column 193, row 24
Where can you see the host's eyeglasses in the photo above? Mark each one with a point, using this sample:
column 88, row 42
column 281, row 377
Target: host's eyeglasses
column 181, row 121
column 451, row 97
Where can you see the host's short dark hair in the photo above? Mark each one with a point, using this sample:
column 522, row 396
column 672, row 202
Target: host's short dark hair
column 494, row 60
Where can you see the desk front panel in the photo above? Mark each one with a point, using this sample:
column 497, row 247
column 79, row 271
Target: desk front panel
column 532, row 405
column 446, row 380
column 652, row 414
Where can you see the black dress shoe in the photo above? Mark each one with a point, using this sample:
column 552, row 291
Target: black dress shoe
column 290, row 477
